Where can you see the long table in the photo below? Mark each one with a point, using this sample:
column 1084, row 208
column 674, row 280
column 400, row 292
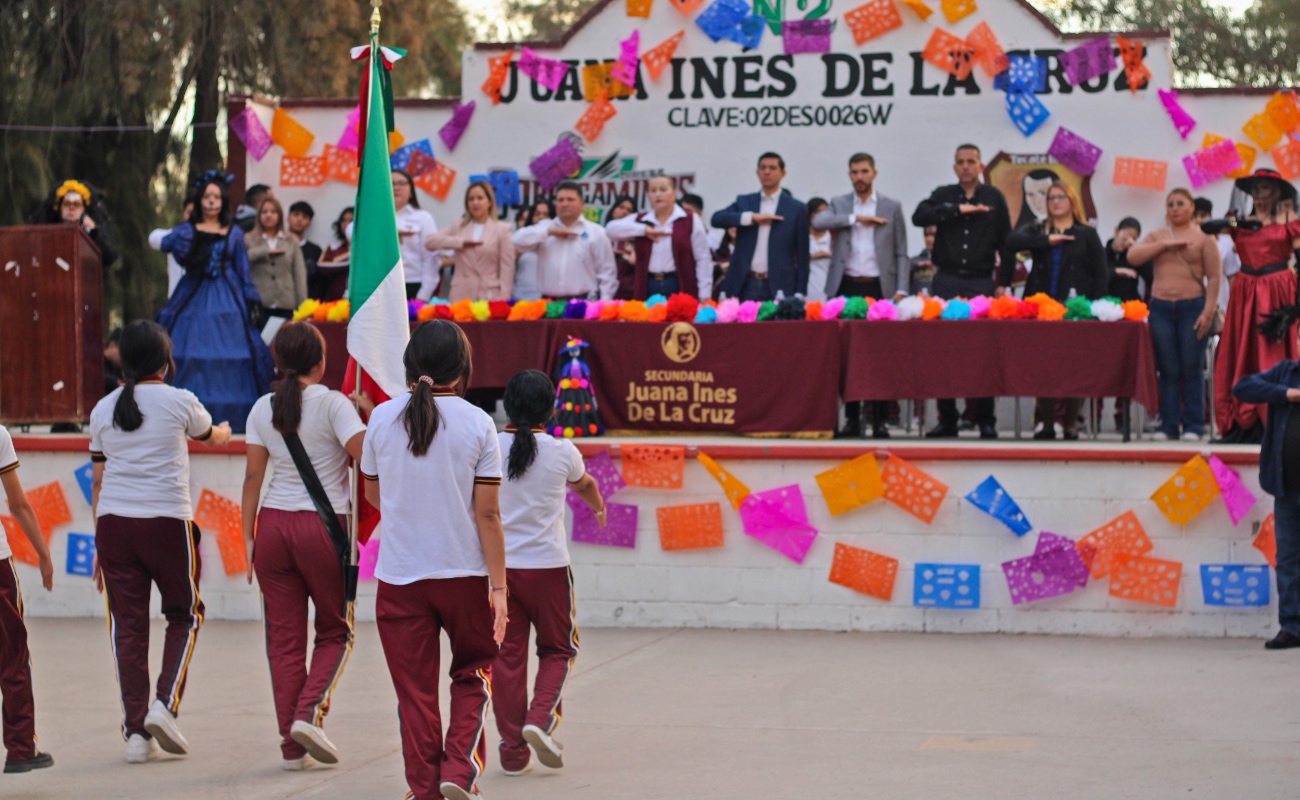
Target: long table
column 786, row 378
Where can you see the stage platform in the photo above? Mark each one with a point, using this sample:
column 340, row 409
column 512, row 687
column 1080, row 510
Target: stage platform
column 1067, row 488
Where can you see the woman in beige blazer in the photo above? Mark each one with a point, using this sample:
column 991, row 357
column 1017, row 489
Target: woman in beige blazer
column 485, row 255
column 275, row 262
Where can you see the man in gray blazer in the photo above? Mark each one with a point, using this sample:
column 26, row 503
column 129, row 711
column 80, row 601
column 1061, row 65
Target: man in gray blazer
column 869, row 258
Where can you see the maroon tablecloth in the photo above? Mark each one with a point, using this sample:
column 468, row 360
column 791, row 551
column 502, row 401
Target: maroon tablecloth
column 998, row 358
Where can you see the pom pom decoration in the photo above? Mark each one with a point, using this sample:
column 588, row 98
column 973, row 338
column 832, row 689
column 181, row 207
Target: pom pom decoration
column 791, row 308
column 728, row 310
column 413, row 309
column 882, row 309
column 767, row 311
column 481, row 310
column 441, row 311
column 339, row 311
column 812, row 309
column 554, row 309
column 593, row 309
column 306, row 310
column 855, row 308
column 657, row 313
column 1135, row 310
column 633, row 311
column 498, row 309
column 748, row 311
column 426, row 313
column 706, row 314
column 832, row 308
column 576, row 309
column 933, row 308
column 681, row 307
column 1107, row 309
column 979, row 307
column 1005, row 307
column 609, row 310
column 1078, row 308
column 911, row 307
column 1048, row 309
column 654, row 300
column 956, row 309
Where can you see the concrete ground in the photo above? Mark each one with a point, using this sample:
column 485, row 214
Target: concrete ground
column 733, row 714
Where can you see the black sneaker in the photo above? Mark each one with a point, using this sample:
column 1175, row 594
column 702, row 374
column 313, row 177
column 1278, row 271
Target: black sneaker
column 38, row 761
column 942, row 431
column 988, row 432
column 851, row 430
column 1284, row 640
column 1048, row 433
column 879, row 432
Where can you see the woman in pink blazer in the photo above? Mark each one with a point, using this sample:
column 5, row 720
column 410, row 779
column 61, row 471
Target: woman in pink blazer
column 485, row 255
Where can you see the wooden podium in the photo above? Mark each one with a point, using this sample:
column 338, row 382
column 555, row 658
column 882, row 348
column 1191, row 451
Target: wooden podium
column 51, row 324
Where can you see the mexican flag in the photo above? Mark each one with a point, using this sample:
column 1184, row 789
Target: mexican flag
column 378, row 330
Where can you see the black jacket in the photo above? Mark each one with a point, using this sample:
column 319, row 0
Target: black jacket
column 1122, row 286
column 1083, row 264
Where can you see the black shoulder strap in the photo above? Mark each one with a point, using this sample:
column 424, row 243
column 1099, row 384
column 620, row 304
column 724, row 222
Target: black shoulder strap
column 318, row 497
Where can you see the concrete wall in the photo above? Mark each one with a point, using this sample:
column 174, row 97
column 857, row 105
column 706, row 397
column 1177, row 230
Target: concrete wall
column 747, row 585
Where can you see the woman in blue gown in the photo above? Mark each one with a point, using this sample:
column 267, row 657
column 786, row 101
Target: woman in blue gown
column 219, row 352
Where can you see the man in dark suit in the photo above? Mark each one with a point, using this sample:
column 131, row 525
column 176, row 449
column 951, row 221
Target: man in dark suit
column 868, row 259
column 972, row 227
column 771, row 250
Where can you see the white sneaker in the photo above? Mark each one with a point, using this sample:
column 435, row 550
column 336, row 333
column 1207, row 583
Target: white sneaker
column 1191, row 437
column 549, row 751
column 138, row 749
column 451, row 791
column 298, row 764
column 313, row 738
column 162, row 724
column 1160, row 436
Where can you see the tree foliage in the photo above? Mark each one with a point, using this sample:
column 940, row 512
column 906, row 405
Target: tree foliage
column 167, row 66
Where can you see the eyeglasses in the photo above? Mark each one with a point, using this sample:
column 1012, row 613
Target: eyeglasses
column 1052, row 198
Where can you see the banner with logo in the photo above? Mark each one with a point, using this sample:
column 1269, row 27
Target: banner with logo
column 778, row 380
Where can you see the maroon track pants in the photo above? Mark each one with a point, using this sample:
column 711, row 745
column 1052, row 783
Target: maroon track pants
column 410, row 618
column 18, row 711
column 295, row 561
column 134, row 553
column 542, row 598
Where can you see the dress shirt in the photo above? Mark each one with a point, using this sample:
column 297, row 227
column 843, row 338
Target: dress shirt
column 966, row 244
column 862, row 262
column 174, row 270
column 567, row 266
column 766, row 205
column 661, row 252
column 419, row 264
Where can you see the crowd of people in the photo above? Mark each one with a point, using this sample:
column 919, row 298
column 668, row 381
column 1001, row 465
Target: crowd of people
column 234, row 271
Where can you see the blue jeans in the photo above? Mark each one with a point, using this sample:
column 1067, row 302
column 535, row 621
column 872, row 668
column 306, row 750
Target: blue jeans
column 666, row 287
column 1180, row 360
column 754, row 289
column 1286, row 529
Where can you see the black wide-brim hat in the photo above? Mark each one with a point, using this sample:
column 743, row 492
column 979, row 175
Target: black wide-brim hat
column 1284, row 187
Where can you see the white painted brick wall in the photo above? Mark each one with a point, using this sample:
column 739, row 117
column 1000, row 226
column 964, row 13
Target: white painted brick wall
column 745, row 584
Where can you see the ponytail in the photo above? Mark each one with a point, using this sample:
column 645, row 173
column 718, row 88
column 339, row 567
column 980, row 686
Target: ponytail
column 438, row 356
column 422, row 417
column 298, row 348
column 529, row 401
column 126, row 414
column 145, row 350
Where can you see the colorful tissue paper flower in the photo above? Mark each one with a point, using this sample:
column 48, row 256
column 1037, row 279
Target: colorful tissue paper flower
column 791, row 308
column 426, row 313
column 482, row 311
column 1135, row 310
column 812, row 309
column 339, row 311
column 980, row 307
column 658, row 313
column 832, row 308
column 855, row 308
column 305, row 310
column 498, row 309
column 609, row 310
column 442, row 312
column 728, row 310
column 767, row 311
column 1026, row 310
column 1005, row 307
column 956, row 309
column 884, row 309
column 1107, row 310
column 933, row 308
column 1078, row 308
column 748, row 311
column 1051, row 310
column 593, row 309
column 322, row 312
column 682, row 307
column 413, row 309
column 555, row 309
column 633, row 311
column 576, row 309
column 706, row 314
column 654, row 300
column 462, row 312
column 911, row 307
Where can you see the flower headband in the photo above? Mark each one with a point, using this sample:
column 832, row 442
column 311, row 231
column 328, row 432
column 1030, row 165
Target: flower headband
column 213, row 176
column 71, row 186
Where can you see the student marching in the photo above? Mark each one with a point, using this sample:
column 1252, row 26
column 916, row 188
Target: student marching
column 306, row 433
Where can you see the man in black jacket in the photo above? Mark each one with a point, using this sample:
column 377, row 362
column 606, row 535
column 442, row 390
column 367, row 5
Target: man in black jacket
column 972, row 224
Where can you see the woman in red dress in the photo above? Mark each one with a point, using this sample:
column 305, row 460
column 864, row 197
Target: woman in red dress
column 1258, row 327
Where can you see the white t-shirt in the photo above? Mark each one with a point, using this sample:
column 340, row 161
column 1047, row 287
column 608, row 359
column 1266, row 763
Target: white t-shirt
column 427, row 503
column 147, row 471
column 329, row 421
column 8, row 463
column 532, row 507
